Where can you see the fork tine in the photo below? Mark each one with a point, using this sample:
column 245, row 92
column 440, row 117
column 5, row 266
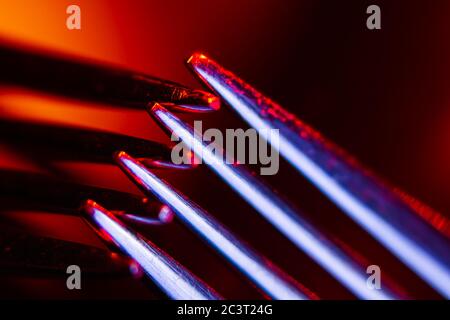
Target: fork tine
column 392, row 220
column 165, row 216
column 259, row 270
column 276, row 211
column 95, row 82
column 176, row 281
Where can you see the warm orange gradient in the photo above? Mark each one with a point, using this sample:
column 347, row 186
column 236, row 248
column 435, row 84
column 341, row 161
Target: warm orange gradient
column 149, row 36
column 42, row 23
column 36, row 107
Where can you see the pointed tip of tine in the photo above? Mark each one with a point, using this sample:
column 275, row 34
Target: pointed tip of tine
column 205, row 69
column 153, row 110
column 88, row 207
column 126, row 163
column 198, row 101
column 212, row 101
column 166, row 214
column 195, row 58
column 195, row 101
column 121, row 158
column 155, row 107
column 119, row 155
column 164, row 164
column 157, row 112
column 199, row 63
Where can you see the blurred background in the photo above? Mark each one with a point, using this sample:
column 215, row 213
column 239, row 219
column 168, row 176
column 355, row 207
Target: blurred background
column 380, row 94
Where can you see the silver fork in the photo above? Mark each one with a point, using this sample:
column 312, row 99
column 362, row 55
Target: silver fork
column 388, row 215
column 416, row 234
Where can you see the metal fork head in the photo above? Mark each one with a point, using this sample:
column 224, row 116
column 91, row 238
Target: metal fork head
column 390, row 216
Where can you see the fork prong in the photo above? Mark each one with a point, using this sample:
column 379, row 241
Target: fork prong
column 392, row 220
column 258, row 269
column 175, row 280
column 275, row 210
column 96, row 82
column 165, row 216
